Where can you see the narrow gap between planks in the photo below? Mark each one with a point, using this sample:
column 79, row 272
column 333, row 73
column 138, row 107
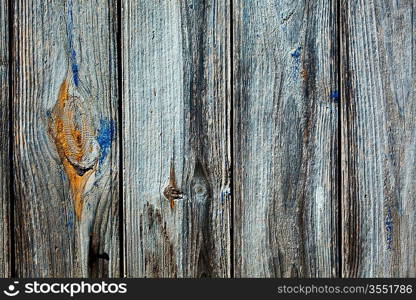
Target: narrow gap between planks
column 339, row 5
column 120, row 135
column 230, row 134
column 12, row 247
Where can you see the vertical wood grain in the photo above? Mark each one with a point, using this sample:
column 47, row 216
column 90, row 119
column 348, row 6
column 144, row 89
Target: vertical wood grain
column 65, row 138
column 4, row 142
column 379, row 138
column 285, row 139
column 176, row 150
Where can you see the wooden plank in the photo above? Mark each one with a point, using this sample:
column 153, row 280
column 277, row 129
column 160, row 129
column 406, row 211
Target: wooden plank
column 176, row 138
column 285, row 139
column 65, row 147
column 379, row 138
column 4, row 142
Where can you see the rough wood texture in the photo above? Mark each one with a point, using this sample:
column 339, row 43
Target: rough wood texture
column 176, row 138
column 4, row 142
column 65, row 147
column 280, row 147
column 379, row 138
column 285, row 139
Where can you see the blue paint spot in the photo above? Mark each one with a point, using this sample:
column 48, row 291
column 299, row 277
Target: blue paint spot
column 73, row 54
column 70, row 222
column 296, row 65
column 105, row 138
column 334, row 95
column 224, row 194
column 296, row 53
column 389, row 229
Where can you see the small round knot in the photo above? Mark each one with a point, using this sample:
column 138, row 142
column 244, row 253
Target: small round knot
column 200, row 190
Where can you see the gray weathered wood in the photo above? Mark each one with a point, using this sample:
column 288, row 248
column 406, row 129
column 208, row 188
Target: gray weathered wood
column 65, row 147
column 285, row 139
column 379, row 138
column 4, row 142
column 176, row 145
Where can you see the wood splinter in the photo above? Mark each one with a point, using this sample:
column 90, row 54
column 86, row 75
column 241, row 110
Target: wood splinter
column 171, row 192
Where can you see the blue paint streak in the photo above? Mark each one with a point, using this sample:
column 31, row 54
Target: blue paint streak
column 105, row 138
column 334, row 95
column 62, row 173
column 389, row 229
column 73, row 54
column 75, row 75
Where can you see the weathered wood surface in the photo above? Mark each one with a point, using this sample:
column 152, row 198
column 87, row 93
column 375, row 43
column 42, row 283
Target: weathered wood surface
column 285, row 139
column 65, row 138
column 212, row 186
column 379, row 138
column 176, row 143
column 4, row 142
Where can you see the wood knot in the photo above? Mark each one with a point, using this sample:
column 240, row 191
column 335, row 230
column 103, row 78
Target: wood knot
column 172, row 193
column 201, row 189
column 71, row 128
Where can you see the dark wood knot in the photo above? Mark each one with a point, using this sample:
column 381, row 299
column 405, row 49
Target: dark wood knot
column 171, row 192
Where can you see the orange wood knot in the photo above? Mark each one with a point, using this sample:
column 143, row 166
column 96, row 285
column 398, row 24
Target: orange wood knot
column 71, row 128
column 171, row 192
